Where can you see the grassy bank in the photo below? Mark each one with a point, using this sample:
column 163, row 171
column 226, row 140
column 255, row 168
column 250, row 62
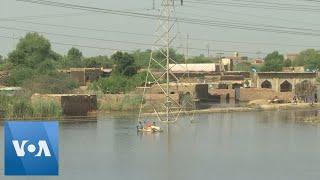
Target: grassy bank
column 119, row 102
column 21, row 107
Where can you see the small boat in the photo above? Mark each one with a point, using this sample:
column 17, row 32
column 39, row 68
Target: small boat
column 151, row 129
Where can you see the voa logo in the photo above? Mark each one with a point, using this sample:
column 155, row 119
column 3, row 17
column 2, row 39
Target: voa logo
column 31, row 148
column 42, row 148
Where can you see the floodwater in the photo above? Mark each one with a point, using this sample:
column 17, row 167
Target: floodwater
column 227, row 146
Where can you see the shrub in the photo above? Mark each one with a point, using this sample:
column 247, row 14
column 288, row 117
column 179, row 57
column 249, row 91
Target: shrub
column 55, row 83
column 116, row 83
column 121, row 103
column 46, row 109
column 19, row 108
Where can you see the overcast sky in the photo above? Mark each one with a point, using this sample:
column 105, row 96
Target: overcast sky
column 242, row 40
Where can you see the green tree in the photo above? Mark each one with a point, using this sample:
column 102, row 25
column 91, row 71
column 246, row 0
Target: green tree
column 142, row 58
column 31, row 51
column 114, row 84
column 18, row 75
column 161, row 55
column 98, row 61
column 243, row 66
column 201, row 59
column 74, row 58
column 287, row 63
column 2, row 63
column 273, row 62
column 125, row 64
column 32, row 56
column 309, row 58
column 56, row 83
column 117, row 83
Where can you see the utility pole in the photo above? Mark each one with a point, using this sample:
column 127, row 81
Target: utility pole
column 168, row 13
column 220, row 55
column 208, row 50
column 187, row 54
column 187, row 46
column 163, row 78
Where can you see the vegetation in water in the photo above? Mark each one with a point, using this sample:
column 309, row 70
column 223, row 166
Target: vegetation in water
column 21, row 107
column 46, row 109
column 120, row 103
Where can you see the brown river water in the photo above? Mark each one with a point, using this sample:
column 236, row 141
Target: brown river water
column 270, row 145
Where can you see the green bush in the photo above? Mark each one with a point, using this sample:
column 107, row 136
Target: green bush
column 54, row 83
column 19, row 108
column 46, row 109
column 118, row 83
column 18, row 75
column 126, row 103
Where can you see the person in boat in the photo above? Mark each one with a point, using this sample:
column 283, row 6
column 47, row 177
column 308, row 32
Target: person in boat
column 148, row 126
column 154, row 127
column 139, row 126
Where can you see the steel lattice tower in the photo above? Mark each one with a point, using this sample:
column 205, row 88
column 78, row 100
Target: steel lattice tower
column 159, row 75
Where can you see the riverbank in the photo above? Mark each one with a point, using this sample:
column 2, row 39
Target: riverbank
column 265, row 107
column 118, row 105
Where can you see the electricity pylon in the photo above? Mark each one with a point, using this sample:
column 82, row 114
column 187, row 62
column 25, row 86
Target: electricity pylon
column 164, row 86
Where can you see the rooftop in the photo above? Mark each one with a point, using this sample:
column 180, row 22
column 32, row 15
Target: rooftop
column 200, row 67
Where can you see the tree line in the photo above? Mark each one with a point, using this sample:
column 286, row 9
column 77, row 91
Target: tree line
column 34, row 65
column 309, row 59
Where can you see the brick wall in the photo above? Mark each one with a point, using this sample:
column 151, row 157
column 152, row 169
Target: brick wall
column 249, row 94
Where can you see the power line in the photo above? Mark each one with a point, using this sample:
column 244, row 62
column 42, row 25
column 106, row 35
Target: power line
column 109, row 40
column 73, row 45
column 268, row 3
column 76, row 27
column 149, row 35
column 253, row 4
column 44, row 16
column 75, row 36
column 242, row 26
column 249, row 15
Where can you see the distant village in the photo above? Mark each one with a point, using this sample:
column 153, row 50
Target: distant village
column 218, row 83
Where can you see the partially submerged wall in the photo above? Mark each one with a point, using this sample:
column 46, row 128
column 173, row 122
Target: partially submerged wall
column 72, row 104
